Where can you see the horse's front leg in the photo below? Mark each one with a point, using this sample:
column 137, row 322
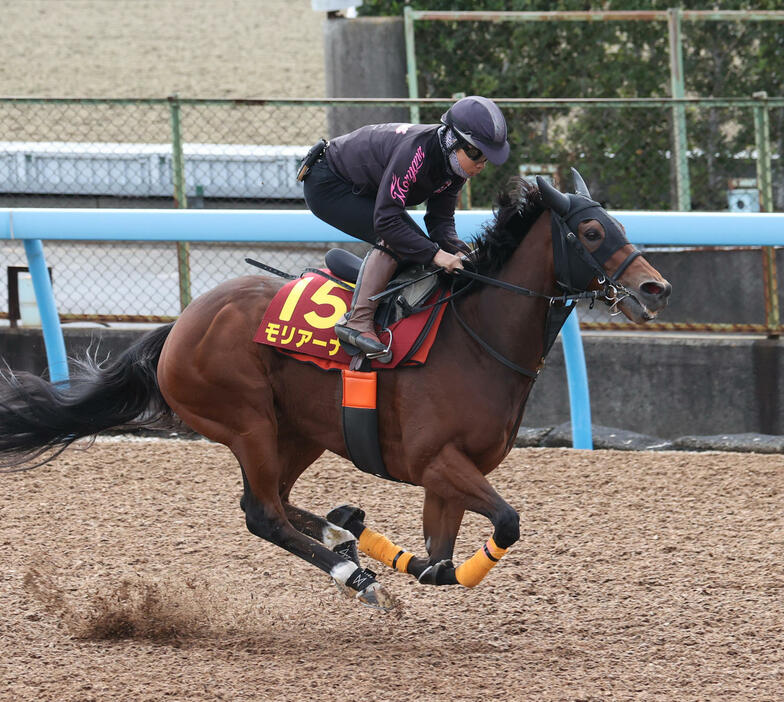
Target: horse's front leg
column 460, row 485
column 441, row 521
column 435, row 570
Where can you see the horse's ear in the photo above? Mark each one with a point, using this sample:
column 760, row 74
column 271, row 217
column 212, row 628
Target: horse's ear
column 579, row 184
column 554, row 199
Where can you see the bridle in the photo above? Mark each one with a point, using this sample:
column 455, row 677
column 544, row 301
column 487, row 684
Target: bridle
column 575, row 268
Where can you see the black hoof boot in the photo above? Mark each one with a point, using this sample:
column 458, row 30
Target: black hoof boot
column 349, row 517
column 441, row 573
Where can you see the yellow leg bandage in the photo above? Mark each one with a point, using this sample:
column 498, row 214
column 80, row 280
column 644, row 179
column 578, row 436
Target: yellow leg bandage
column 380, row 548
column 475, row 568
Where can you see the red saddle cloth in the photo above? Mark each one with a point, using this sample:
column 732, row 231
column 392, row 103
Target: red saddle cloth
column 301, row 318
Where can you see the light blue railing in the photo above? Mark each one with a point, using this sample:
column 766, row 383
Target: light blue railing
column 34, row 226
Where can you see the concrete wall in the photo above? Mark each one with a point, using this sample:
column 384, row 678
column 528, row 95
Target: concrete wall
column 666, row 386
column 715, row 286
column 670, row 385
column 364, row 58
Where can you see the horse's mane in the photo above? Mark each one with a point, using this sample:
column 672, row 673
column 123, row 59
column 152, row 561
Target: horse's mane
column 515, row 211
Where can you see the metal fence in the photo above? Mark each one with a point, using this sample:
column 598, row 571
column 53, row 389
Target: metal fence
column 632, row 52
column 229, row 153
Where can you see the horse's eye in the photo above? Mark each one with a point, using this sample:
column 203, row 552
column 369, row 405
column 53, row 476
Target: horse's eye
column 592, row 234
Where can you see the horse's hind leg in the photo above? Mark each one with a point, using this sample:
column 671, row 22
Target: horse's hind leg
column 295, row 455
column 220, row 387
column 339, row 540
column 265, row 516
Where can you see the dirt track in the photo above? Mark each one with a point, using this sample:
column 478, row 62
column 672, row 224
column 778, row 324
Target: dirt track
column 153, row 48
column 127, row 574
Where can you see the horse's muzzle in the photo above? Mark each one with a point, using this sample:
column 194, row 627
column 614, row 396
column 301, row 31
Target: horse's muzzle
column 646, row 301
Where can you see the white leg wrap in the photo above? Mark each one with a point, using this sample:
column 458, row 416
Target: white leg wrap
column 342, row 571
column 333, row 535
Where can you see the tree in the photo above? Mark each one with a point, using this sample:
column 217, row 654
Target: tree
column 624, row 153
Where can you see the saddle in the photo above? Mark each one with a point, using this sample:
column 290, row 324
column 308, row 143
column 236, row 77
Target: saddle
column 300, row 319
column 406, row 294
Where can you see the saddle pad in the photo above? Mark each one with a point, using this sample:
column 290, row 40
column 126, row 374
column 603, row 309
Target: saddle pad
column 301, row 318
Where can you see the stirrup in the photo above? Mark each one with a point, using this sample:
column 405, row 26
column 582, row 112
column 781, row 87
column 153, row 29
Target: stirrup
column 366, row 346
column 384, row 356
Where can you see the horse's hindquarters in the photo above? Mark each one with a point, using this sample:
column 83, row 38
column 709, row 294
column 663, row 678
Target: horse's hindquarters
column 210, row 369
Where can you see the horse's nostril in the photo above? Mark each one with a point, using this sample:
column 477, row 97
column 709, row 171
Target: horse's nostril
column 654, row 288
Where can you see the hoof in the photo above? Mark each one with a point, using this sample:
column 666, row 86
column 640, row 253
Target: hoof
column 377, row 597
column 441, row 573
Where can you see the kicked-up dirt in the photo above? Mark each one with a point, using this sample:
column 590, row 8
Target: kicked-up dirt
column 127, row 574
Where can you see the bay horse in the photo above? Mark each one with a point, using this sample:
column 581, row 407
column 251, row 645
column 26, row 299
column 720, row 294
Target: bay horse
column 443, row 426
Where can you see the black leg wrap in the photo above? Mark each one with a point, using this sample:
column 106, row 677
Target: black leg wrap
column 348, row 551
column 348, row 517
column 360, row 579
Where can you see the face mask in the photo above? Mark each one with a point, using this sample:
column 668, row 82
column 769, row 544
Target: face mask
column 448, row 143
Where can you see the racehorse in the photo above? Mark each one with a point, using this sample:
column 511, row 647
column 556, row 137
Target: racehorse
column 443, row 426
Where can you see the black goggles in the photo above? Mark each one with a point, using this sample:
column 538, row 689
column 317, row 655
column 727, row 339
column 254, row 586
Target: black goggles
column 472, row 152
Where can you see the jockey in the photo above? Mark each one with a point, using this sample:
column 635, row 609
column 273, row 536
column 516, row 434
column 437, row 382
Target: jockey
column 362, row 183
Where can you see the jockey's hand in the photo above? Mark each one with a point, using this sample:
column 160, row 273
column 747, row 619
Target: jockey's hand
column 447, row 261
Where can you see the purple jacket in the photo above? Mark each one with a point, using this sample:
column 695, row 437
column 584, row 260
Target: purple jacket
column 403, row 164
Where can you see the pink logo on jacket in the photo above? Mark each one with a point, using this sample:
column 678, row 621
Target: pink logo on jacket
column 400, row 186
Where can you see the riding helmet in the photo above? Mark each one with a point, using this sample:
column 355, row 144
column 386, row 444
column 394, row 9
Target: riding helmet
column 479, row 121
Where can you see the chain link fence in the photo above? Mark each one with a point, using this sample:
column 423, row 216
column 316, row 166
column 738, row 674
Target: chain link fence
column 234, row 154
column 139, row 281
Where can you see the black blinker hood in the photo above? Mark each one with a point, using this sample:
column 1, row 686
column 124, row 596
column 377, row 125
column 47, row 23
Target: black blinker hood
column 575, row 266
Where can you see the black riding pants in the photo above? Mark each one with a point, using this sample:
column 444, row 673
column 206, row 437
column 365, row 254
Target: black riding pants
column 336, row 201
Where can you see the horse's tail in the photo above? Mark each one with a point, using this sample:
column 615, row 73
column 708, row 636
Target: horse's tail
column 38, row 417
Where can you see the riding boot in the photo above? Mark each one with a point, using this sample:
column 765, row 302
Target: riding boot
column 359, row 330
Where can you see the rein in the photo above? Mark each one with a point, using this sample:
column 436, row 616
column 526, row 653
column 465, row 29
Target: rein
column 559, row 309
column 565, row 242
column 551, row 299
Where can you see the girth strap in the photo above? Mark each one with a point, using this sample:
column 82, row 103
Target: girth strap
column 360, row 422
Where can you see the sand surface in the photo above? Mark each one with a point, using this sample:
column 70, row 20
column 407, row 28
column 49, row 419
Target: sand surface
column 127, row 573
column 153, row 48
